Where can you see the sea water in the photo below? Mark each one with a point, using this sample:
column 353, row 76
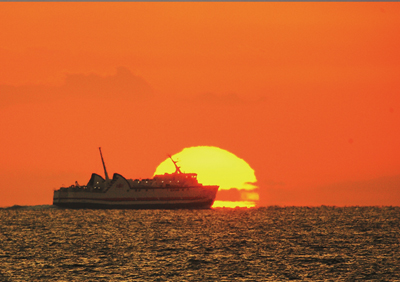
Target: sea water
column 256, row 244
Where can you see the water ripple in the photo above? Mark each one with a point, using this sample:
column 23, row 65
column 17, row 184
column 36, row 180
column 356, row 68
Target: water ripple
column 264, row 244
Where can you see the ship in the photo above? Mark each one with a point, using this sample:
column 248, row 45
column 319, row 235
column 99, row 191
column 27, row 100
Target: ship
column 175, row 190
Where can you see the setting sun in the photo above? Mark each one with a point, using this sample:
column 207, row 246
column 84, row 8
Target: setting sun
column 215, row 166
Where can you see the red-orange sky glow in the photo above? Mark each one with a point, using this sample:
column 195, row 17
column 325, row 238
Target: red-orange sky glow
column 308, row 94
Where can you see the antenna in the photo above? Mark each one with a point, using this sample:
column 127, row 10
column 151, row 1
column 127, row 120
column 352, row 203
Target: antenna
column 176, row 166
column 104, row 165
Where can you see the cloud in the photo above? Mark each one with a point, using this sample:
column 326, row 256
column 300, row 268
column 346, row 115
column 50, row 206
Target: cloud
column 11, row 95
column 252, row 184
column 235, row 194
column 122, row 85
column 378, row 191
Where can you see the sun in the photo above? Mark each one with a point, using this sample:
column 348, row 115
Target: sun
column 216, row 166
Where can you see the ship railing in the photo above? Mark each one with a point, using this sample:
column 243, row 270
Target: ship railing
column 74, row 188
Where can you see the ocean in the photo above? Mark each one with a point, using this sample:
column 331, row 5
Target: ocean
column 256, row 244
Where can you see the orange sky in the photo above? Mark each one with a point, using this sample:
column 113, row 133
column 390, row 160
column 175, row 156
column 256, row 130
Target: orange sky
column 306, row 93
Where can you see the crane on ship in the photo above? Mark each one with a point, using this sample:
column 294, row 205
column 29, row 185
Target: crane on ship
column 178, row 168
column 104, row 165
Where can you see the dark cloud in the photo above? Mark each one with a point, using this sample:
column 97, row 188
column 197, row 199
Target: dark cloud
column 255, row 184
column 229, row 195
column 25, row 94
column 122, row 85
column 233, row 194
column 363, row 192
column 378, row 191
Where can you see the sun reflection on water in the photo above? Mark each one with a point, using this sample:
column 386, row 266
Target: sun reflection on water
column 233, row 204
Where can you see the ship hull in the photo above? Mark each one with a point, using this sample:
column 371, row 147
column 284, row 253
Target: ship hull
column 136, row 206
column 150, row 198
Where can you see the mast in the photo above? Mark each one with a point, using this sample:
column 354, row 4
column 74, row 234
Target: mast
column 176, row 166
column 104, row 165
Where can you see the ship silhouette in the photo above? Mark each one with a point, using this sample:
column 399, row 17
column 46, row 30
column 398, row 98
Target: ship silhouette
column 168, row 191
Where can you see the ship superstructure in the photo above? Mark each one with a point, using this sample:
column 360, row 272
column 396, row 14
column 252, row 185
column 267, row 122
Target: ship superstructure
column 167, row 191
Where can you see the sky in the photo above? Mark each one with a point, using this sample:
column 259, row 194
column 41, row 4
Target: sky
column 308, row 94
